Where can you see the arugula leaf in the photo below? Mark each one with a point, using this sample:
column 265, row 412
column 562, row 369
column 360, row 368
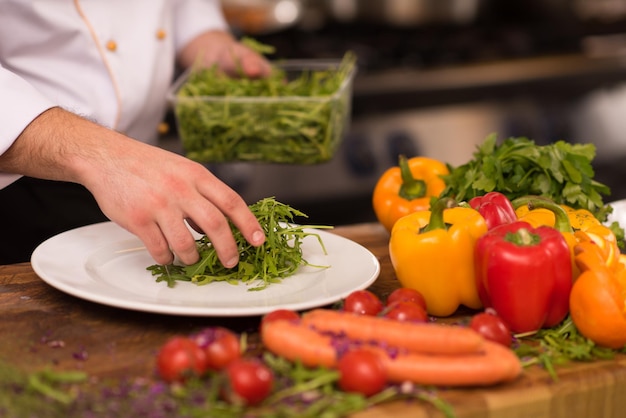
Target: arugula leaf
column 559, row 345
column 279, row 257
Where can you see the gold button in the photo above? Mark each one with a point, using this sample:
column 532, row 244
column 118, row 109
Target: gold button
column 163, row 128
column 112, row 46
column 161, row 34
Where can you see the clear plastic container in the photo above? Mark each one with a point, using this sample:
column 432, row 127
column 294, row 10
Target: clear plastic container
column 273, row 129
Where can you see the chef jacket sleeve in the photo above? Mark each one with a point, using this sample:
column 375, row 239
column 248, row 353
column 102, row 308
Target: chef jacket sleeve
column 192, row 17
column 20, row 103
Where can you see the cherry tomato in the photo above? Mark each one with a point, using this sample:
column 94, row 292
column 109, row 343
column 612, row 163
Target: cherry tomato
column 405, row 311
column 180, row 358
column 280, row 314
column 363, row 302
column 221, row 346
column 406, row 294
column 490, row 326
column 249, row 381
column 361, row 371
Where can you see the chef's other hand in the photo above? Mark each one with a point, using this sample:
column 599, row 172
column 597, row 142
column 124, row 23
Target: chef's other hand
column 145, row 189
column 231, row 56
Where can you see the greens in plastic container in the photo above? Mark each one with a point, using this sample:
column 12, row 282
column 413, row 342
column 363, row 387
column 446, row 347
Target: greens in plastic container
column 297, row 115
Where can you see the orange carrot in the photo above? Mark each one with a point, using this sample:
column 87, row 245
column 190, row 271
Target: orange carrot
column 495, row 364
column 296, row 341
column 419, row 337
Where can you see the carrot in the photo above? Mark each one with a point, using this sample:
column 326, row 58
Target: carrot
column 419, row 337
column 297, row 341
column 495, row 364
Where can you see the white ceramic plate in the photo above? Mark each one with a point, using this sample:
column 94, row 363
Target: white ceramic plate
column 104, row 263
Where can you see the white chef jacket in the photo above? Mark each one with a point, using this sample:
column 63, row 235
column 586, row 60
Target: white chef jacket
column 111, row 61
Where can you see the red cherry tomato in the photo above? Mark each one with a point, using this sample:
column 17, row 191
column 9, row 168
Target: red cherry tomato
column 406, row 294
column 490, row 326
column 279, row 315
column 361, row 371
column 363, row 302
column 180, row 358
column 221, row 346
column 405, row 311
column 249, row 381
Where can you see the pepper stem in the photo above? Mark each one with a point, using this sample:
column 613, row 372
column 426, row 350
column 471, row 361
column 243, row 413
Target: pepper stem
column 436, row 215
column 526, row 200
column 411, row 187
column 523, row 238
column 561, row 218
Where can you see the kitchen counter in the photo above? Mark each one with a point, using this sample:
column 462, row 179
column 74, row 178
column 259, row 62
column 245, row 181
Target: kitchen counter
column 42, row 328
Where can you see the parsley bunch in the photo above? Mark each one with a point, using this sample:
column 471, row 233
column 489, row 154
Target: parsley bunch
column 518, row 167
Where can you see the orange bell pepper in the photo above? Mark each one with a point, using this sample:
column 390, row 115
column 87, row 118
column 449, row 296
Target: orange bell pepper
column 598, row 298
column 433, row 253
column 407, row 188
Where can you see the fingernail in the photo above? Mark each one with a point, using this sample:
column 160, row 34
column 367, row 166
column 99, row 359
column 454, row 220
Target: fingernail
column 258, row 237
column 232, row 262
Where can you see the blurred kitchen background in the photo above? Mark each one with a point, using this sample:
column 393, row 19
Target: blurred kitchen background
column 435, row 77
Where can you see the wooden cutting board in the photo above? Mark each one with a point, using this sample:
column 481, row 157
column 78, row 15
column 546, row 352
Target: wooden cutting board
column 43, row 327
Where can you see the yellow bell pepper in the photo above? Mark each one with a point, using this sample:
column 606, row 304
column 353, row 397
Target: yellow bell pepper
column 433, row 253
column 536, row 217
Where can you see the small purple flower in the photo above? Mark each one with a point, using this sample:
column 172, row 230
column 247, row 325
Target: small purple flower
column 81, row 354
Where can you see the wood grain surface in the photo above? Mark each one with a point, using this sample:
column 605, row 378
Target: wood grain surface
column 43, row 327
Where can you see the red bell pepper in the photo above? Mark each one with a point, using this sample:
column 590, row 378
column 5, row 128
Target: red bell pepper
column 525, row 274
column 495, row 207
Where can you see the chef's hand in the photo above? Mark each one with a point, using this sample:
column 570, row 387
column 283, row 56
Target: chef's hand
column 145, row 189
column 150, row 192
column 221, row 48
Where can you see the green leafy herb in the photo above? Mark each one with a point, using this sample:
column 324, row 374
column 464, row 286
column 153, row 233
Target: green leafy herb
column 559, row 345
column 279, row 257
column 257, row 46
column 299, row 391
column 288, row 117
column 46, row 393
column 518, row 167
column 312, row 392
column 46, row 382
